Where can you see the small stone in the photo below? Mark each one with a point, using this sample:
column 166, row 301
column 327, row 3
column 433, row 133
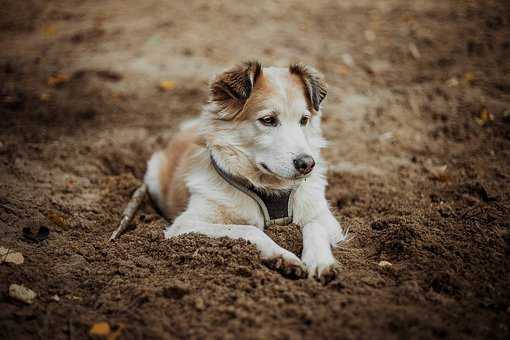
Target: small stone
column 347, row 59
column 9, row 256
column 452, row 82
column 385, row 264
column 22, row 293
column 55, row 298
column 199, row 303
column 414, row 51
column 439, row 173
column 379, row 66
column 370, row 35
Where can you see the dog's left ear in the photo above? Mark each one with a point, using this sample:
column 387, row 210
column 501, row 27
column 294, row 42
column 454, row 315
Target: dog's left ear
column 315, row 86
column 232, row 88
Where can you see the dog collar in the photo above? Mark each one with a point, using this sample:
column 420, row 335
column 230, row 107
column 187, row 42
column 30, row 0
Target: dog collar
column 276, row 208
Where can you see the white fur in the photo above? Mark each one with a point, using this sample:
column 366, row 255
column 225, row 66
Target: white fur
column 211, row 196
column 152, row 179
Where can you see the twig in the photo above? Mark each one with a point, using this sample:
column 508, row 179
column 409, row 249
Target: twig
column 6, row 207
column 130, row 210
column 468, row 210
column 70, row 325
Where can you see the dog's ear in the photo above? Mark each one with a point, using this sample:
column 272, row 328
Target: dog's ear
column 316, row 88
column 232, row 88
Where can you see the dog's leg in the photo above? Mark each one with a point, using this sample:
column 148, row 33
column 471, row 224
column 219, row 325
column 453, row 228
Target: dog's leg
column 318, row 237
column 272, row 254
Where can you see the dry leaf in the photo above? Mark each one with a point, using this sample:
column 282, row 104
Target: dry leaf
column 117, row 333
column 166, row 85
column 100, row 329
column 468, row 77
column 103, row 329
column 50, row 29
column 343, row 70
column 9, row 256
column 485, row 118
column 57, row 80
column 22, row 293
column 45, row 97
column 57, row 218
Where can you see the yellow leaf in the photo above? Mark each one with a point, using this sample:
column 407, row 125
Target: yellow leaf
column 344, row 70
column 166, row 85
column 57, row 218
column 50, row 29
column 469, row 77
column 45, row 97
column 485, row 118
column 57, row 80
column 117, row 333
column 100, row 329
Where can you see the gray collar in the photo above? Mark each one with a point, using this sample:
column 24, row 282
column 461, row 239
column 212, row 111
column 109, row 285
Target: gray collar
column 276, row 207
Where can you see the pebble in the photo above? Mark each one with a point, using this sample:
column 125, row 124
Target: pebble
column 385, row 264
column 22, row 293
column 9, row 256
column 347, row 59
column 379, row 66
column 199, row 303
column 370, row 35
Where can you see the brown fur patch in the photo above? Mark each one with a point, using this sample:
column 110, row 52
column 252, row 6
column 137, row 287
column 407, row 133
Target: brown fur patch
column 178, row 157
column 316, row 88
column 232, row 88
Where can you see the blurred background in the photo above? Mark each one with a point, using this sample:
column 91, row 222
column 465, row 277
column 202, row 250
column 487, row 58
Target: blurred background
column 418, row 122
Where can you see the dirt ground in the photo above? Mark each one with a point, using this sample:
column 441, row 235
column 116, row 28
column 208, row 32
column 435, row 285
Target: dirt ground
column 418, row 119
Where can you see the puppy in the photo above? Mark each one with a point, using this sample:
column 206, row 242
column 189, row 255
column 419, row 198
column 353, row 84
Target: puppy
column 252, row 159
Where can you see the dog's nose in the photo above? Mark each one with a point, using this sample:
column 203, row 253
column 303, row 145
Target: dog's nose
column 304, row 164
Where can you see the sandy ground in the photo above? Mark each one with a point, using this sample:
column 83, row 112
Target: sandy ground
column 418, row 119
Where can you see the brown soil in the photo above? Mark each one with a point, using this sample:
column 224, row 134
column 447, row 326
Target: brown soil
column 73, row 149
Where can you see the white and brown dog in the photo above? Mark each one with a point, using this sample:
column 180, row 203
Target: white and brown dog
column 250, row 160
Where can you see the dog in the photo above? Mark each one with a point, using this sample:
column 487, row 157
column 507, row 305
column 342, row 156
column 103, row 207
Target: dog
column 252, row 159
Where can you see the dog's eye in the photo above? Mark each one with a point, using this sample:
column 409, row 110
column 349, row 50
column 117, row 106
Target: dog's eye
column 269, row 121
column 304, row 120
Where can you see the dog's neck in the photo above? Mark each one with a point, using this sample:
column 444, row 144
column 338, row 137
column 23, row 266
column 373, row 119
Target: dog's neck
column 236, row 165
column 275, row 206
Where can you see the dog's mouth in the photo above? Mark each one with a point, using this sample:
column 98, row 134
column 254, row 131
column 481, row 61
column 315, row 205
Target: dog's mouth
column 265, row 169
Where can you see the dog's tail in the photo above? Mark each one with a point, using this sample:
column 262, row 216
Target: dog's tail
column 153, row 179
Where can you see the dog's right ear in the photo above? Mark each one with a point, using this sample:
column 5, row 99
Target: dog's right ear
column 232, row 88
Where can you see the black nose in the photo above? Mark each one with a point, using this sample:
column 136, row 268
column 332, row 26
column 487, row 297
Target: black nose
column 304, row 164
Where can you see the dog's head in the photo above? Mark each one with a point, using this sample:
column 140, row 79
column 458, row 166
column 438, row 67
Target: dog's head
column 266, row 121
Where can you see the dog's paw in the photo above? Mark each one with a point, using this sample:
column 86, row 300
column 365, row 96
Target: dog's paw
column 328, row 274
column 323, row 272
column 288, row 265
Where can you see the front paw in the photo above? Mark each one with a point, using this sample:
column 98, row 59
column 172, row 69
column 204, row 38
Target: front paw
column 322, row 271
column 288, row 265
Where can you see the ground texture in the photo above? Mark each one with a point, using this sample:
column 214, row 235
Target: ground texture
column 418, row 119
